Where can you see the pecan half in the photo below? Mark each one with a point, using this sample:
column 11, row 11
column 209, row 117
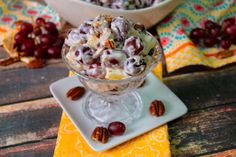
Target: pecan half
column 75, row 93
column 9, row 61
column 100, row 134
column 35, row 63
column 225, row 54
column 109, row 44
column 157, row 108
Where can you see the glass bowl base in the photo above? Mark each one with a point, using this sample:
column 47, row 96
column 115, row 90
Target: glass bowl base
column 124, row 108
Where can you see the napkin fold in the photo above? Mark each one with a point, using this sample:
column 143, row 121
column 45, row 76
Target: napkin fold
column 179, row 51
column 154, row 143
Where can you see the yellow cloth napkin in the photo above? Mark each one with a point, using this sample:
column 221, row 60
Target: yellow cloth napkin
column 179, row 51
column 152, row 144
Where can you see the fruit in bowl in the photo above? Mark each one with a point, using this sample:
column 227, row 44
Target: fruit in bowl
column 111, row 57
column 124, row 4
column 76, row 11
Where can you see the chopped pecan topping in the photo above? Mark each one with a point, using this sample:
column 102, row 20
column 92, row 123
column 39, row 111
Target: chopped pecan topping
column 109, row 44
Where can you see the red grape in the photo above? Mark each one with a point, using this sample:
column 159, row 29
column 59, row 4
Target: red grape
column 51, row 28
column 210, row 24
column 231, row 31
column 225, row 43
column 17, row 47
column 28, row 47
column 197, row 33
column 85, row 53
column 196, row 41
column 209, row 41
column 133, row 46
column 233, row 40
column 120, row 27
column 59, row 42
column 40, row 21
column 116, row 128
column 54, row 52
column 20, row 37
column 39, row 52
column 227, row 22
column 47, row 39
column 54, row 33
column 26, row 28
column 214, row 32
column 37, row 31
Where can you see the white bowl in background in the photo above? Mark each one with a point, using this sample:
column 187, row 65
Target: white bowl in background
column 76, row 11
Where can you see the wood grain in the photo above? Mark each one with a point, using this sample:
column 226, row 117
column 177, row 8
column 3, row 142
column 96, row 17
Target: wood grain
column 43, row 148
column 204, row 89
column 204, row 131
column 23, row 84
column 29, row 121
column 227, row 153
column 3, row 53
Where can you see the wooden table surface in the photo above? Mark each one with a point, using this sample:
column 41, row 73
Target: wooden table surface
column 29, row 116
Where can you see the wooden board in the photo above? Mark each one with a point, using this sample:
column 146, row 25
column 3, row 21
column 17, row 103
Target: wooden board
column 204, row 131
column 29, row 121
column 205, row 89
column 30, row 128
column 227, row 153
column 191, row 134
column 44, row 148
column 24, row 84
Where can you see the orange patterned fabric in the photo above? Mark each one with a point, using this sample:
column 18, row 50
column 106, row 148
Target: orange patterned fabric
column 174, row 30
column 154, row 143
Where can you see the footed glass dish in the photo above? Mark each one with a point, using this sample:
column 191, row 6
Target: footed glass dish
column 113, row 100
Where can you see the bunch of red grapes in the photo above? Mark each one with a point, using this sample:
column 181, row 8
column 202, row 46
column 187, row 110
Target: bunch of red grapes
column 41, row 40
column 212, row 34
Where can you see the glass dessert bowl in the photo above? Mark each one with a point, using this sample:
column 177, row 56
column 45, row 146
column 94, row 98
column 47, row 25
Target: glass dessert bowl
column 112, row 75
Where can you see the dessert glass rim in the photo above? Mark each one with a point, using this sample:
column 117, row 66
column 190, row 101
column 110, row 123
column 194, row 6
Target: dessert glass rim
column 158, row 48
column 162, row 3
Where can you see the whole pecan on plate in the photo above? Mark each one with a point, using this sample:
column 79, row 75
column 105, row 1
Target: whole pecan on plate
column 157, row 108
column 75, row 93
column 100, row 134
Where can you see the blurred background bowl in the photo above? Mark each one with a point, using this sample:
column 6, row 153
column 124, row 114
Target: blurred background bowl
column 76, row 11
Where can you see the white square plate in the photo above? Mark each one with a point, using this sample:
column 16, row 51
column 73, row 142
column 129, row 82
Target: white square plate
column 153, row 89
